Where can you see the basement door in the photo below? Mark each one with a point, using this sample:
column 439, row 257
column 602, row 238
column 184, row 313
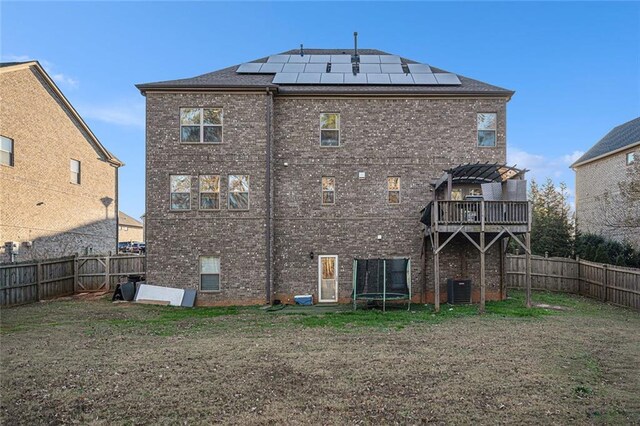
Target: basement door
column 327, row 278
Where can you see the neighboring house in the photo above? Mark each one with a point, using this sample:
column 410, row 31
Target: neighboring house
column 129, row 229
column 58, row 182
column 608, row 185
column 266, row 180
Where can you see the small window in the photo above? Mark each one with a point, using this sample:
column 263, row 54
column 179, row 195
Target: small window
column 329, row 129
column 201, row 125
column 126, row 228
column 487, row 129
column 209, row 192
column 180, row 192
column 238, row 192
column 393, row 190
column 631, row 158
column 6, row 151
column 328, row 190
column 74, row 166
column 209, row 273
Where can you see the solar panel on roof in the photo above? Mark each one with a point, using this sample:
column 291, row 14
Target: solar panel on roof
column 391, row 68
column 279, row 58
column 370, row 68
column 369, row 59
column 251, row 67
column 419, row 69
column 424, row 79
column 271, row 67
column 401, row 79
column 293, row 68
column 447, row 78
column 319, row 59
column 389, row 59
column 341, row 67
column 340, row 59
column 377, row 78
column 308, row 78
column 297, row 59
column 355, row 79
column 315, row 67
column 285, row 77
column 331, row 78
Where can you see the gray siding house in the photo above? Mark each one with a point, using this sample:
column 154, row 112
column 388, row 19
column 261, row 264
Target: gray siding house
column 266, row 180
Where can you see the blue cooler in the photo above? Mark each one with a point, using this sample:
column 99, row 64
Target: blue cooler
column 304, row 299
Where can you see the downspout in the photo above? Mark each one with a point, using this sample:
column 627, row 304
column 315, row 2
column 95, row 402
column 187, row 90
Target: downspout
column 269, row 200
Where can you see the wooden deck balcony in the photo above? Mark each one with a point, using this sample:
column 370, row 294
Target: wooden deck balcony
column 480, row 216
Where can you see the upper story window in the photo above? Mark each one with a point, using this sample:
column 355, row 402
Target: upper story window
column 393, row 190
column 74, row 166
column 487, row 129
column 180, row 192
column 238, row 192
column 6, row 151
column 329, row 129
column 328, row 190
column 201, row 125
column 631, row 158
column 209, row 192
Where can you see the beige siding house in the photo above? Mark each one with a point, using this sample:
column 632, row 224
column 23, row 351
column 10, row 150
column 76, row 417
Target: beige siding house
column 58, row 182
column 613, row 161
column 129, row 229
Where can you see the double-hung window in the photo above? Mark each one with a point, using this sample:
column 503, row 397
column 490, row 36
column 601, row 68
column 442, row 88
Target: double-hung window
column 180, row 192
column 209, row 192
column 6, row 151
column 209, row 273
column 486, row 128
column 201, row 125
column 393, row 190
column 631, row 158
column 329, row 129
column 74, row 168
column 328, row 190
column 238, row 192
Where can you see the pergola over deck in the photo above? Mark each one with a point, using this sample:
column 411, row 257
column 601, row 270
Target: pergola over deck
column 501, row 212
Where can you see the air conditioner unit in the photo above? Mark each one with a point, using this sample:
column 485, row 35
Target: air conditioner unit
column 458, row 291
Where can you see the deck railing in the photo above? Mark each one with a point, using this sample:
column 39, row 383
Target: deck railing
column 481, row 212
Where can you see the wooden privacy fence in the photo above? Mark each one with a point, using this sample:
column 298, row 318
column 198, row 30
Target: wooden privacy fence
column 609, row 283
column 28, row 282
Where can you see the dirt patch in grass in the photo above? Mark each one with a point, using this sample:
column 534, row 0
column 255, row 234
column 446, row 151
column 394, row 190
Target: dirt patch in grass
column 101, row 363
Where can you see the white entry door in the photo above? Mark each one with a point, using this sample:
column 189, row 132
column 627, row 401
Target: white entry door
column 327, row 278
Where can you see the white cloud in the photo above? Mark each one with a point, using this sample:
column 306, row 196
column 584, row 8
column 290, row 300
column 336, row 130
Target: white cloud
column 62, row 79
column 123, row 113
column 571, row 158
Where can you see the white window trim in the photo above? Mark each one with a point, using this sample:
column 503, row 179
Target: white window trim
column 322, row 191
column 200, row 275
column 12, row 153
column 170, row 193
column 494, row 130
column 202, row 126
column 337, row 274
column 333, row 130
column 79, row 173
column 200, row 192
column 229, row 192
column 399, row 190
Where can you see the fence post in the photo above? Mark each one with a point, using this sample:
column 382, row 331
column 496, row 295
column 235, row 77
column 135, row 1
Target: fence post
column 107, row 272
column 38, row 280
column 578, row 275
column 75, row 273
column 604, row 282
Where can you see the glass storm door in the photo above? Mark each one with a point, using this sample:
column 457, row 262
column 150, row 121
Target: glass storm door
column 328, row 278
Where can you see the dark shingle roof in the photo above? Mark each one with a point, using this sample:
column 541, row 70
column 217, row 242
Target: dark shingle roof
column 10, row 64
column 228, row 78
column 621, row 136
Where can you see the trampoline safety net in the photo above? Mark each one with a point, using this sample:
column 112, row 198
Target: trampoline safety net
column 381, row 279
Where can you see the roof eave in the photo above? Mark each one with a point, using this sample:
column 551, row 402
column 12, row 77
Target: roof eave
column 579, row 162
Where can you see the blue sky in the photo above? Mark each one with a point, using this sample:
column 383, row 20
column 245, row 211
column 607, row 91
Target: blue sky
column 575, row 66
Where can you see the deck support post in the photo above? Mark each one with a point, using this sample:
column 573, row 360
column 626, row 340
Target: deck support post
column 436, row 271
column 527, row 238
column 483, row 268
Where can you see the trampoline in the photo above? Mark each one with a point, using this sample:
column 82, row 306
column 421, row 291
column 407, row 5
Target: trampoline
column 381, row 280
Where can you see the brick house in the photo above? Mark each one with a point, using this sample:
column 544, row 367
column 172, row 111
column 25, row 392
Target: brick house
column 58, row 183
column 599, row 172
column 266, row 180
column 129, row 228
